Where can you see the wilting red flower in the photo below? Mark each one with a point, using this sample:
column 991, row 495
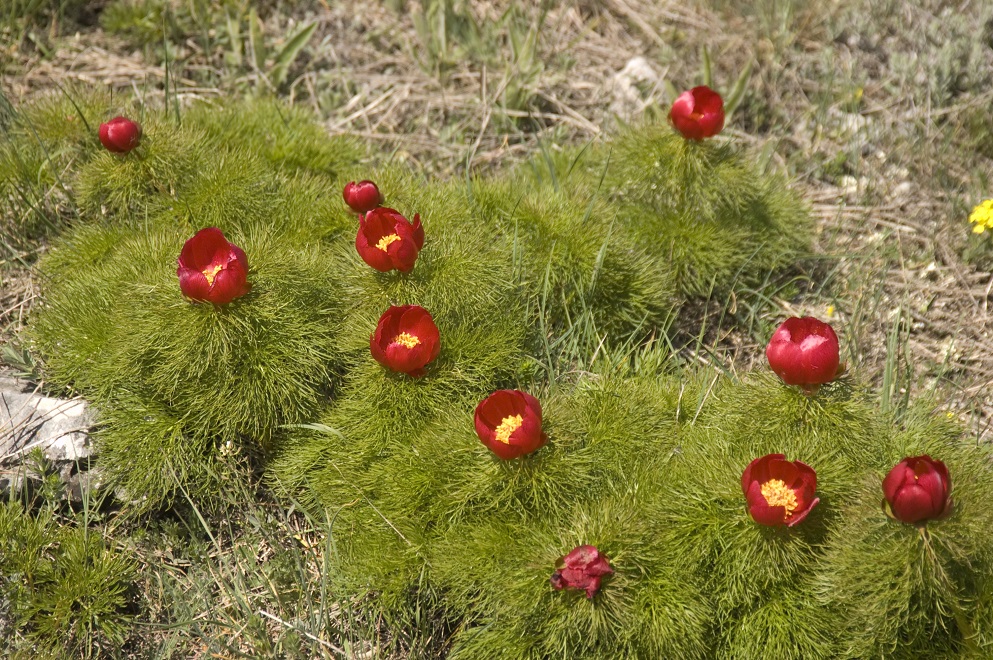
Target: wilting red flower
column 916, row 489
column 363, row 196
column 804, row 352
column 211, row 269
column 406, row 340
column 509, row 423
column 583, row 568
column 120, row 135
column 779, row 492
column 698, row 113
column 387, row 240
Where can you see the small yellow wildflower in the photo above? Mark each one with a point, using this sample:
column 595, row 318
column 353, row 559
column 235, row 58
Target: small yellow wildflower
column 982, row 217
column 830, row 311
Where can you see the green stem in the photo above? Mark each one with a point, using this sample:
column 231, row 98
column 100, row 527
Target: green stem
column 965, row 628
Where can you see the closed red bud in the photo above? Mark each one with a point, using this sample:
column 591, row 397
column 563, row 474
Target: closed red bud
column 388, row 241
column 509, row 423
column 918, row 489
column 406, row 340
column 120, row 135
column 779, row 492
column 211, row 269
column 804, row 352
column 698, row 113
column 582, row 569
column 363, row 196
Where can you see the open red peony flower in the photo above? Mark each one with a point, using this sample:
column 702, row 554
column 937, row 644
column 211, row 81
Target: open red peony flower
column 917, row 489
column 698, row 113
column 363, row 196
column 509, row 423
column 779, row 492
column 120, row 135
column 406, row 340
column 211, row 269
column 804, row 352
column 387, row 240
column 583, row 568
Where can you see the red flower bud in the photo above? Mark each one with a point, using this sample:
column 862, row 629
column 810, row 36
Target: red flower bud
column 916, row 489
column 779, row 492
column 583, row 568
column 363, row 196
column 387, row 240
column 211, row 269
column 406, row 340
column 508, row 422
column 804, row 351
column 698, row 113
column 120, row 135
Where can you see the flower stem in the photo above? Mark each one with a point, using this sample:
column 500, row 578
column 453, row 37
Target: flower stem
column 961, row 620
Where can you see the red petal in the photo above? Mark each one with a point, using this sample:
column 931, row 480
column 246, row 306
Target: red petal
column 785, row 471
column 930, row 480
column 402, row 359
column 532, row 404
column 801, row 513
column 773, row 516
column 498, row 406
column 504, row 452
column 913, row 504
column 895, row 479
column 377, row 353
column 372, row 255
column 193, row 283
column 229, row 283
column 207, row 248
column 418, row 234
column 527, row 436
column 592, row 587
column 403, row 254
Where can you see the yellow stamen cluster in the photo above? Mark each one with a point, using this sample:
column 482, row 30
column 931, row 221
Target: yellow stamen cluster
column 386, row 241
column 406, row 340
column 982, row 217
column 507, row 426
column 777, row 493
column 212, row 272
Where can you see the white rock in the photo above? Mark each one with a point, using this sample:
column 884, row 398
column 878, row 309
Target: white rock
column 28, row 420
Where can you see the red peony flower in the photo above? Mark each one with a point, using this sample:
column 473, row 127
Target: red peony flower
column 804, row 352
column 698, row 113
column 387, row 240
column 406, row 340
column 211, row 269
column 583, row 568
column 917, row 489
column 363, row 196
column 120, row 135
column 779, row 492
column 509, row 423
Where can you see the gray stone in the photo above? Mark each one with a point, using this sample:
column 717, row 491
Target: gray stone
column 28, row 420
column 85, row 484
column 17, row 482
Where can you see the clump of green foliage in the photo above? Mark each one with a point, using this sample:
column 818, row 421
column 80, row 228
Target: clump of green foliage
column 649, row 471
column 43, row 144
column 700, row 207
column 68, row 590
column 527, row 276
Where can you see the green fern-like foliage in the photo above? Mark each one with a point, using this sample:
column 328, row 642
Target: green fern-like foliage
column 43, row 143
column 528, row 275
column 650, row 473
column 68, row 590
column 701, row 208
